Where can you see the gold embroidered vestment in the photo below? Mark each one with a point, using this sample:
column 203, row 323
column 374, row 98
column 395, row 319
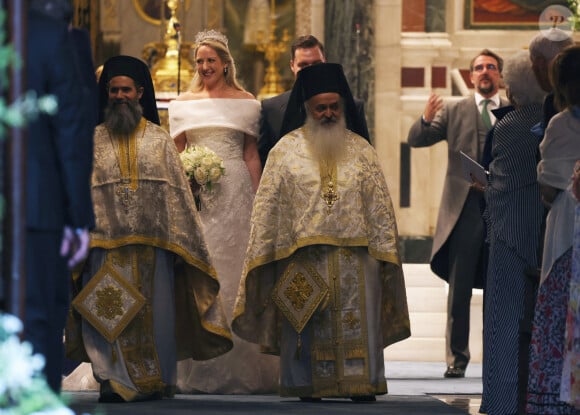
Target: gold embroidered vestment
column 142, row 198
column 295, row 211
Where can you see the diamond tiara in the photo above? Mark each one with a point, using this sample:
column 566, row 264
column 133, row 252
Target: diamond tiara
column 211, row 35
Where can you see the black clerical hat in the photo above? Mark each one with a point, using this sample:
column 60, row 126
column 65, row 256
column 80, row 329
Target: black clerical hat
column 318, row 79
column 321, row 78
column 135, row 69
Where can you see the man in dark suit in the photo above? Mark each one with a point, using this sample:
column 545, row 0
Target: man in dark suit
column 458, row 254
column 83, row 59
column 305, row 51
column 59, row 209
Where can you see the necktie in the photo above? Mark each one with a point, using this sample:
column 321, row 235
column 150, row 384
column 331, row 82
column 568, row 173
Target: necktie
column 485, row 114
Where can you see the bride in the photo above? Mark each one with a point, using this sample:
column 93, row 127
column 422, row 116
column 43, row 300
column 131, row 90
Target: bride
column 219, row 114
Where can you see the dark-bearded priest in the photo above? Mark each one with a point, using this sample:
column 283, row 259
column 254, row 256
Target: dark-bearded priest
column 149, row 292
column 322, row 284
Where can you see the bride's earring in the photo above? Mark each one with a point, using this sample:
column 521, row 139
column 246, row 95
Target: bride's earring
column 225, row 70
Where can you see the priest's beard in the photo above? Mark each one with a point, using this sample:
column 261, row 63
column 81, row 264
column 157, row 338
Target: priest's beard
column 123, row 116
column 326, row 137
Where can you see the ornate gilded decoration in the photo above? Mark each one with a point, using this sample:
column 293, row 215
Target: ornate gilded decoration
column 153, row 11
column 137, row 341
column 287, row 218
column 180, row 231
column 328, row 176
column 118, row 259
column 350, row 320
column 340, row 346
column 272, row 48
column 160, row 224
column 126, row 152
column 292, row 227
column 169, row 59
column 109, row 302
column 299, row 292
column 347, row 254
column 362, row 181
column 329, row 194
column 123, row 191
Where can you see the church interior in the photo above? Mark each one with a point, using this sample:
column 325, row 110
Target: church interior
column 394, row 53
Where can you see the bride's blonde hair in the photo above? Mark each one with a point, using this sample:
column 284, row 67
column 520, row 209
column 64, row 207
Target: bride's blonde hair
column 218, row 42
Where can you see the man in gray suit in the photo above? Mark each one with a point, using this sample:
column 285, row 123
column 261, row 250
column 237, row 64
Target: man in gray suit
column 458, row 254
column 305, row 51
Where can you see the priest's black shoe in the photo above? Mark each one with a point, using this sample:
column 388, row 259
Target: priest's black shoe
column 107, row 395
column 309, row 399
column 454, row 372
column 363, row 398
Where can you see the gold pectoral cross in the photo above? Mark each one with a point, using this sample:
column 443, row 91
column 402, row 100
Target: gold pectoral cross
column 330, row 196
column 124, row 191
column 328, row 174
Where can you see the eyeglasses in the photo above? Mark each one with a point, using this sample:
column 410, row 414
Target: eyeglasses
column 489, row 67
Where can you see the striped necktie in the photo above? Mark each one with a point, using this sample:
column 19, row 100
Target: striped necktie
column 485, row 114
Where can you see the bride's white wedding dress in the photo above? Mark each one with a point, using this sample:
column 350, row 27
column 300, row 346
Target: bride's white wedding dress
column 220, row 124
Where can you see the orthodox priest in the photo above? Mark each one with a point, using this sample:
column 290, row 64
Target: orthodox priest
column 322, row 284
column 148, row 294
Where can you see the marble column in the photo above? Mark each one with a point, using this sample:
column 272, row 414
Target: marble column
column 310, row 18
column 349, row 40
column 387, row 90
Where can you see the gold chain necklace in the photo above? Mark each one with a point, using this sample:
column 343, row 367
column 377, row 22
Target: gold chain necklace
column 328, row 173
column 126, row 153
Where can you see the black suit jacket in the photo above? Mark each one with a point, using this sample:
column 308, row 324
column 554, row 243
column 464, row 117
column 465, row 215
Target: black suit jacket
column 60, row 147
column 271, row 118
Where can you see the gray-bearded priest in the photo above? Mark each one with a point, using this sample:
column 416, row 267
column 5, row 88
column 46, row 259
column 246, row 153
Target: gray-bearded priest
column 322, row 284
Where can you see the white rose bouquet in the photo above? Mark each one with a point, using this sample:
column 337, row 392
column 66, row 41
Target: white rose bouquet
column 203, row 168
